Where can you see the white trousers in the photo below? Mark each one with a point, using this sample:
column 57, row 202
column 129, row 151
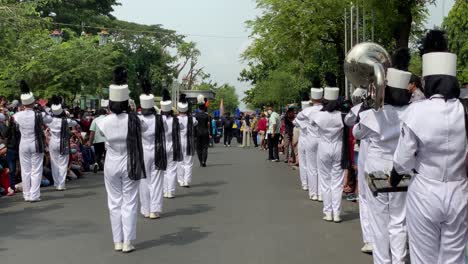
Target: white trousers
column 151, row 188
column 122, row 199
column 331, row 176
column 303, row 148
column 313, row 180
column 364, row 192
column 59, row 164
column 170, row 175
column 437, row 215
column 387, row 215
column 246, row 137
column 184, row 171
column 31, row 170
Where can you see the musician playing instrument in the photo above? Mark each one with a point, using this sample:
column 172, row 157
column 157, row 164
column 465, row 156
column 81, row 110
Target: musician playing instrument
column 433, row 142
column 382, row 129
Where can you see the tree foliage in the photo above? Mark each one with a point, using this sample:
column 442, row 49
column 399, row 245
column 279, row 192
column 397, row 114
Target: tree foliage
column 224, row 92
column 78, row 65
column 298, row 40
column 456, row 25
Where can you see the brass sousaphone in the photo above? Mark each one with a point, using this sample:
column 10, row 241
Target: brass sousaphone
column 365, row 66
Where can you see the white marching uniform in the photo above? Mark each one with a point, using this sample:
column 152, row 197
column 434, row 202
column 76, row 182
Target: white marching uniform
column 364, row 192
column 387, row 210
column 58, row 162
column 170, row 175
column 329, row 153
column 151, row 187
column 31, row 161
column 437, row 203
column 184, row 172
column 122, row 192
column 308, row 146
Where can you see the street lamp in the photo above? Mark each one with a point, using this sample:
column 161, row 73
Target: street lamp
column 56, row 36
column 103, row 37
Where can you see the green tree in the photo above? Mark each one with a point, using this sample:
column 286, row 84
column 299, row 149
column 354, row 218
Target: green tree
column 224, row 92
column 456, row 25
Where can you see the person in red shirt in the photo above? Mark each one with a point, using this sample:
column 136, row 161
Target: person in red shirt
column 262, row 128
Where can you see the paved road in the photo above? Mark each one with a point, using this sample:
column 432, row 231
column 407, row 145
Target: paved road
column 241, row 209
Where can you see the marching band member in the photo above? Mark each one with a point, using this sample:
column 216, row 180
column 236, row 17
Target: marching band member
column 59, row 144
column 31, row 148
column 187, row 126
column 124, row 165
column 172, row 146
column 433, row 143
column 330, row 128
column 382, row 129
column 350, row 120
column 203, row 131
column 308, row 142
column 151, row 188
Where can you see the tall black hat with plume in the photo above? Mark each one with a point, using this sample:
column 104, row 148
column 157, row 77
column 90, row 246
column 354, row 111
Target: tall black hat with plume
column 398, row 78
column 439, row 66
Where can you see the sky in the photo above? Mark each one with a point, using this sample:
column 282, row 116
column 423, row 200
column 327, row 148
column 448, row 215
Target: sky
column 218, row 28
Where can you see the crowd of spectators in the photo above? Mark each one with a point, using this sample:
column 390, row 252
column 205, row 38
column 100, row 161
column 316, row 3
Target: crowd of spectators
column 82, row 152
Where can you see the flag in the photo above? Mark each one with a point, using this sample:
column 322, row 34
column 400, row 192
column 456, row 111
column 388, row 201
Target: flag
column 221, row 108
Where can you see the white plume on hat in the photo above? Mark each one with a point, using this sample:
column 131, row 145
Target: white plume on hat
column 200, row 99
column 27, row 96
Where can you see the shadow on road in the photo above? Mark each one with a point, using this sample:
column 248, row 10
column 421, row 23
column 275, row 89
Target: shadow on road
column 350, row 215
column 33, row 223
column 209, row 184
column 186, row 235
column 195, row 209
column 198, row 194
column 66, row 195
column 219, row 165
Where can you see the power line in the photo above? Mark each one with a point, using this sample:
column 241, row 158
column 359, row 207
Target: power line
column 147, row 31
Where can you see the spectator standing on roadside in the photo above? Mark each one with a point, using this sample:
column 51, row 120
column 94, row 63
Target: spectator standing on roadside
column 98, row 141
column 254, row 129
column 262, row 130
column 274, row 126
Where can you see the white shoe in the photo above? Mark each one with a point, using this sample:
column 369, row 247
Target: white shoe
column 61, row 189
column 181, row 184
column 154, row 216
column 35, row 200
column 165, row 195
column 319, row 198
column 146, row 215
column 305, row 188
column 314, row 197
column 367, row 248
column 170, row 196
column 118, row 246
column 337, row 219
column 328, row 217
column 127, row 247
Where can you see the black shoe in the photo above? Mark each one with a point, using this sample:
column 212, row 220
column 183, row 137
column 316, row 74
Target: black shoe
column 95, row 169
column 204, row 165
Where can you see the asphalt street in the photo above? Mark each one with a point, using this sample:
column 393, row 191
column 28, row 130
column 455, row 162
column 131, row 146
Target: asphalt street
column 240, row 209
